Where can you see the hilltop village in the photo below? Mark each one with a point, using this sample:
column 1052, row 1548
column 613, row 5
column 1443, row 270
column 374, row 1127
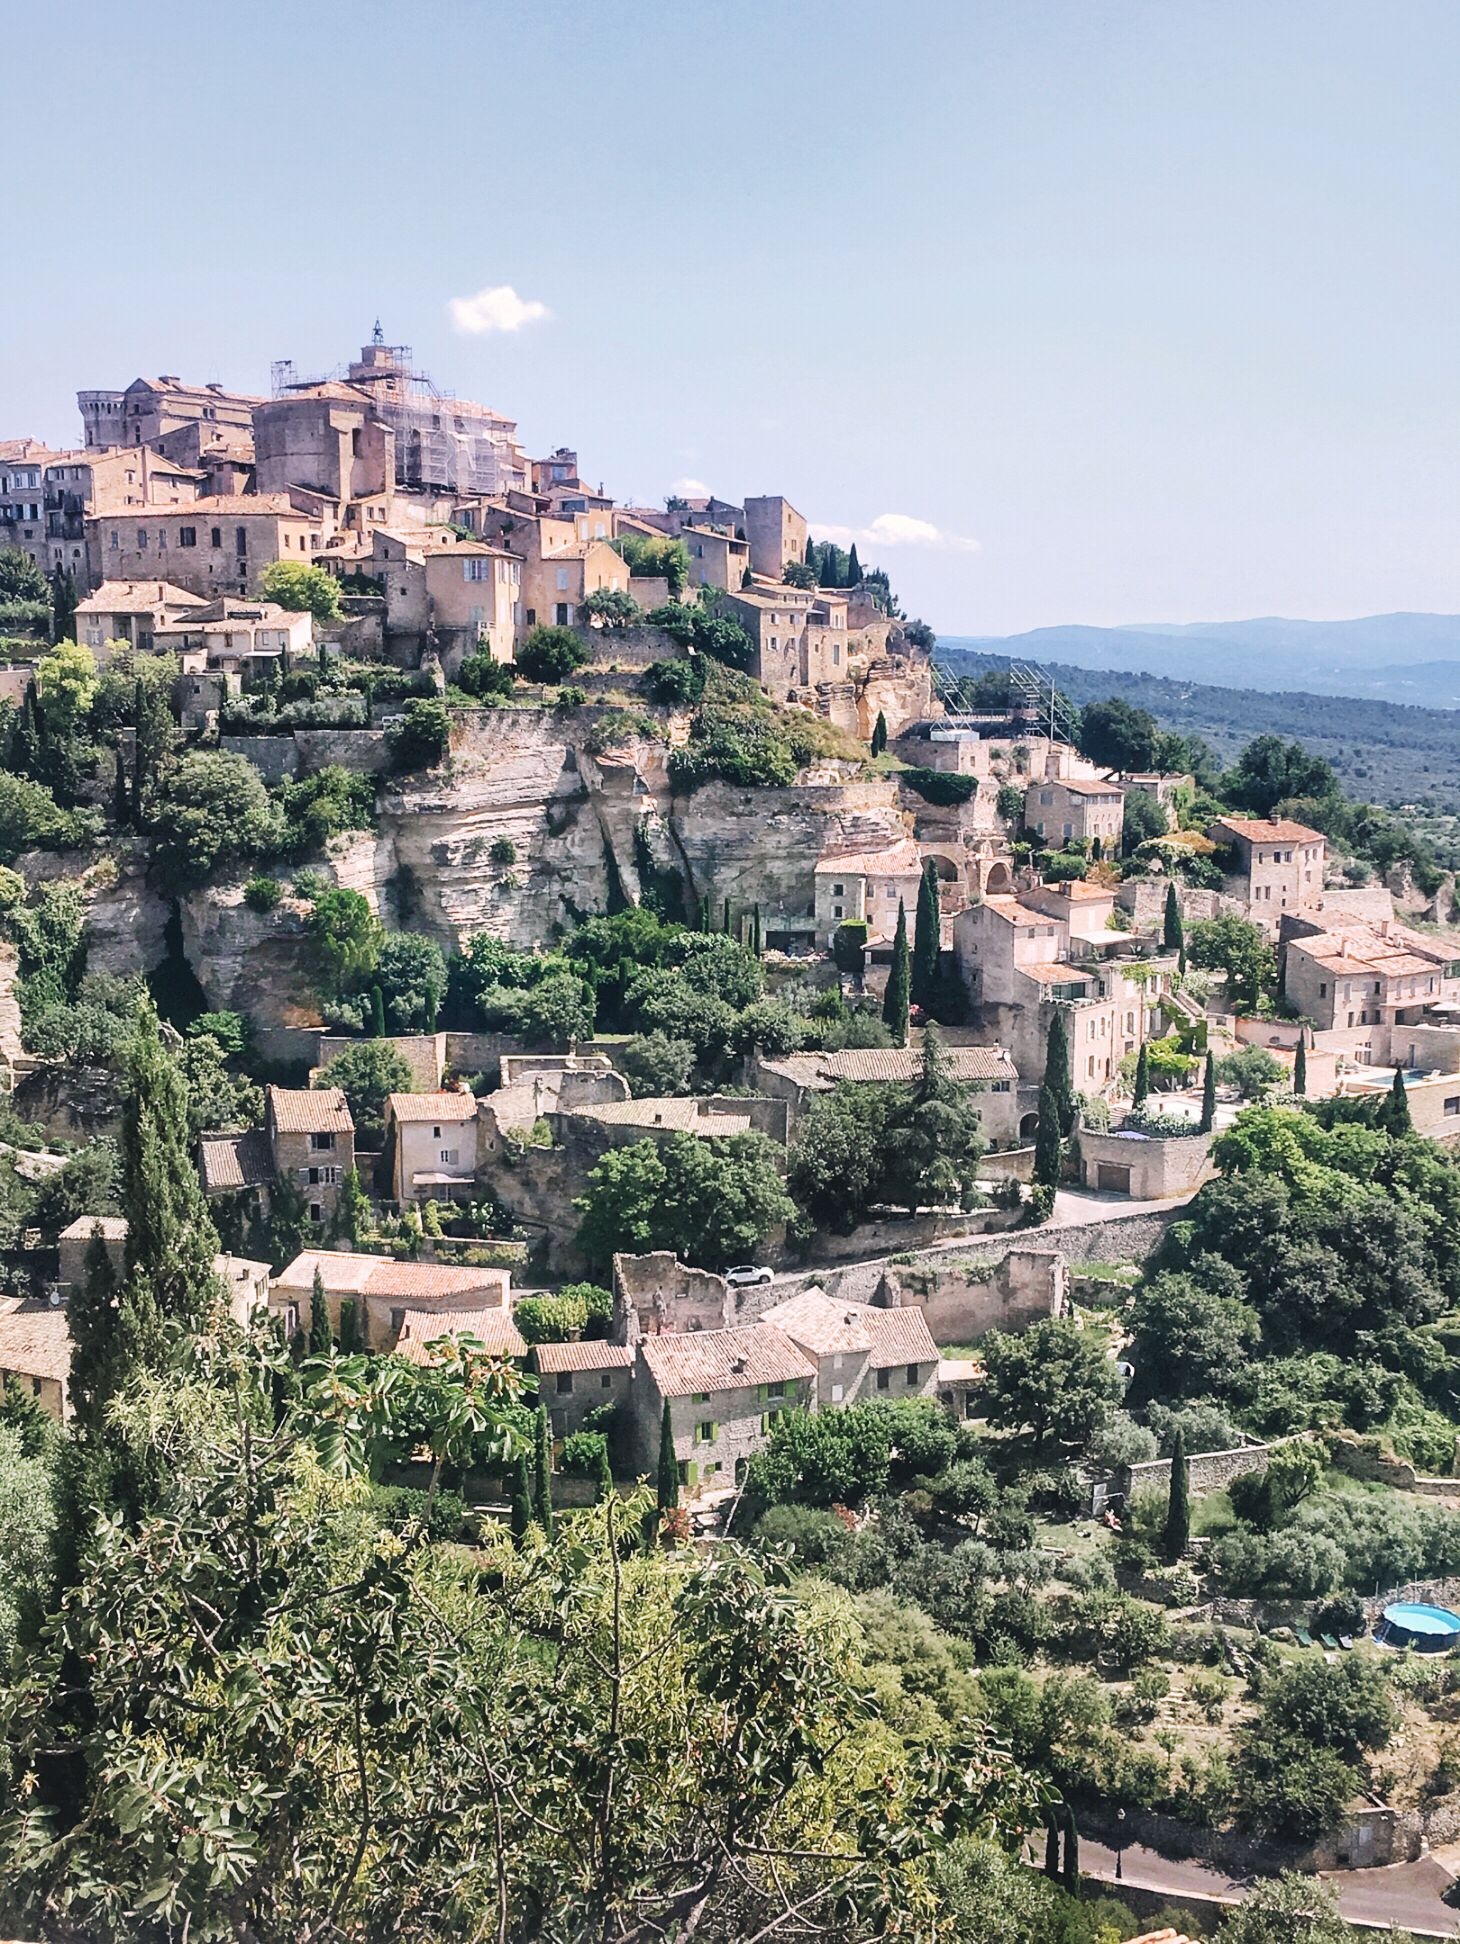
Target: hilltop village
column 914, row 1124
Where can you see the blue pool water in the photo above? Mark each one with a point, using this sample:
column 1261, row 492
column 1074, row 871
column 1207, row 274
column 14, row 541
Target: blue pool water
column 1428, row 1629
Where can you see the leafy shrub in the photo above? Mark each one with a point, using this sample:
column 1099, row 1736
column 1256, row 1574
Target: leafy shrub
column 584, row 1454
column 941, row 787
column 262, row 893
column 503, row 851
column 549, row 1319
column 551, row 654
column 675, row 683
column 482, row 676
column 423, row 736
column 401, row 1507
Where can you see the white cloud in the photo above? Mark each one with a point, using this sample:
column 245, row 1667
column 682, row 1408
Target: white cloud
column 690, row 489
column 497, row 308
column 898, row 530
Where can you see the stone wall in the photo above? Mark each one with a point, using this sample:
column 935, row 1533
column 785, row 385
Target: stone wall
column 1206, row 1471
column 274, row 757
column 1159, row 1167
column 963, row 1301
column 631, row 648
column 1368, row 1838
column 1363, row 1458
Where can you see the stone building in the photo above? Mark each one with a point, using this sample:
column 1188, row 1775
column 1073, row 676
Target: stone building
column 798, row 1078
column 210, row 547
column 776, row 532
column 724, row 1390
column 861, row 1352
column 1344, row 973
column 1274, row 865
column 432, row 1142
column 230, row 636
column 131, row 611
column 717, row 557
column 151, row 409
column 575, row 1379
column 445, row 593
column 244, row 1281
column 311, row 1136
column 35, row 1350
column 420, row 1299
column 868, row 885
column 1076, row 809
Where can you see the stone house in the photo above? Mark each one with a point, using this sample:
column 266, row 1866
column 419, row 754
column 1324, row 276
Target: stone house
column 213, row 547
column 1343, row 973
column 797, row 1078
column 860, row 1352
column 868, row 885
column 311, row 1137
column 658, row 1295
column 432, row 1141
column 1147, row 1167
column 776, row 533
column 717, row 558
column 1076, row 809
column 1275, row 865
column 330, row 439
column 245, row 1281
column 575, row 1379
column 560, row 564
column 443, row 591
column 724, row 1390
column 593, row 1126
column 1168, row 788
column 151, row 409
column 250, row 639
column 35, row 1350
column 131, row 611
column 422, row 1329
column 386, row 1292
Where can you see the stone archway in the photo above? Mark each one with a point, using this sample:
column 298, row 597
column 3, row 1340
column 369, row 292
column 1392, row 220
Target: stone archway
column 1028, row 1126
column 999, row 883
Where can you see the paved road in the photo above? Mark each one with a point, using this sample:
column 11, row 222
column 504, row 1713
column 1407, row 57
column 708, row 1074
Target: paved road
column 1407, row 1894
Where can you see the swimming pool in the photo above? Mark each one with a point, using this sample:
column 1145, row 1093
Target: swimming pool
column 1427, row 1629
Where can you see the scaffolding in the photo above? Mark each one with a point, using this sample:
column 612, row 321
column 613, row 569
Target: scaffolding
column 1034, row 700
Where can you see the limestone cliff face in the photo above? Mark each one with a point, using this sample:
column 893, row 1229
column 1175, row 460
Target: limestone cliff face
column 249, row 961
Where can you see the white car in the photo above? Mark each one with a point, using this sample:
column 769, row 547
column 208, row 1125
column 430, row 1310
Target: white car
column 746, row 1274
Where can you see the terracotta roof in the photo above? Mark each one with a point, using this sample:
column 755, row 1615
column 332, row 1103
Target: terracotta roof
column 432, row 1106
column 113, row 1228
column 899, row 1336
column 1081, row 785
column 891, row 1064
column 814, row 1320
column 346, row 1274
column 309, row 1110
column 229, row 503
column 1268, row 830
column 137, row 597
column 493, row 1328
column 720, row 1360
column 682, row 1113
column 1077, row 891
column 1015, row 913
column 233, row 1161
column 1053, row 974
column 593, row 1353
column 35, row 1339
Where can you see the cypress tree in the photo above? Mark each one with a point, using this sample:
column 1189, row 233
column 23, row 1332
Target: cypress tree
column 897, row 998
column 1048, row 1142
column 1072, row 1854
column 725, row 916
column 755, row 938
column 668, row 1481
column 350, row 1344
column 927, row 940
column 879, row 734
column 854, row 569
column 521, row 1499
column 1209, row 1095
column 1178, row 1502
column 810, row 552
column 121, row 809
column 377, row 1013
column 705, row 924
column 1142, row 1088
column 321, row 1337
column 1051, row 1846
column 1173, row 931
column 91, row 1315
column 1300, row 1067
column 171, row 1241
column 602, row 1476
column 1401, row 1121
column 544, row 1471
column 1057, row 1070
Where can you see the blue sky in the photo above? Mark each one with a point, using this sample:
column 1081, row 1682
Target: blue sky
column 1145, row 311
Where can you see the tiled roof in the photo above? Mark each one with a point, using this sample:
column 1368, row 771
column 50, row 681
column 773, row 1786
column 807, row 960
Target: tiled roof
column 720, row 1360
column 113, row 1228
column 899, row 1336
column 1015, row 913
column 1077, row 891
column 591, row 1354
column 493, row 1329
column 1269, row 830
column 432, row 1106
column 35, row 1339
column 233, row 1161
column 231, row 504
column 309, row 1110
column 1055, row 973
column 818, row 1323
column 137, row 597
column 681, row 1112
column 347, row 1274
column 1083, row 785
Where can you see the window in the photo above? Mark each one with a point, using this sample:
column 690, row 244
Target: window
column 162, row 539
column 605, row 1382
column 476, row 570
column 562, row 614
column 912, row 1373
column 322, row 1143
column 705, row 1431
column 700, row 1397
column 116, row 540
column 564, row 1383
column 1323, row 990
column 837, row 890
column 1452, row 1104
column 884, row 1380
column 240, row 540
column 217, row 537
column 448, row 1157
column 316, row 1212
column 141, row 539
column 187, row 536
column 836, row 1393
column 562, row 580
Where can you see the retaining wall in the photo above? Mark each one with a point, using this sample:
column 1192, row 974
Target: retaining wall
column 1206, row 1471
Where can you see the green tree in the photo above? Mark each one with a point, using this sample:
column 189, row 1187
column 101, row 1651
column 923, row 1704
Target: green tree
column 1049, row 1147
column 1053, row 1380
column 667, row 1492
column 879, row 734
column 1209, row 1095
column 521, row 1513
column 346, row 940
column 1269, row 771
column 1192, row 1333
column 302, row 589
column 1057, row 1070
column 711, row 1202
column 1252, row 1070
column 1176, row 1532
column 321, row 1337
column 835, row 1165
column 352, row 1213
column 410, row 975
column 377, row 1013
column 897, row 998
column 366, row 1073
column 551, row 654
column 66, row 685
column 209, row 810
column 1300, row 1066
column 1239, row 949
column 1400, row 1121
column 1119, row 737
column 1296, row 1909
column 927, row 938
column 932, row 1140
column 1142, row 819
column 543, row 1470
column 423, row 736
column 20, row 578
column 656, row 1064
column 1141, row 1091
column 854, row 568
column 1173, row 931
column 351, row 1340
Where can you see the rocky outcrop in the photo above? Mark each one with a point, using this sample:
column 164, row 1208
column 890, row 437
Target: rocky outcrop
column 249, row 961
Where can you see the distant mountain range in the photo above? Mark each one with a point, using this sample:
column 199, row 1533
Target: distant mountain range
column 1413, row 658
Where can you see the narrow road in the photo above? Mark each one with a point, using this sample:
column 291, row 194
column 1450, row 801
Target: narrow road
column 1407, row 1894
